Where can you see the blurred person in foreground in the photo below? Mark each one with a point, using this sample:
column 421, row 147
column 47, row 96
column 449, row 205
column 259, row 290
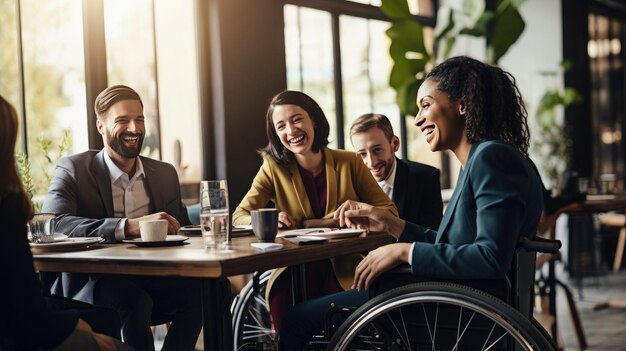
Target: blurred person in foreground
column 413, row 187
column 106, row 193
column 307, row 181
column 476, row 111
column 27, row 322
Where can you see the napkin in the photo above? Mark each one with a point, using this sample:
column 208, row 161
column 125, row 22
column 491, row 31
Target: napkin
column 267, row 246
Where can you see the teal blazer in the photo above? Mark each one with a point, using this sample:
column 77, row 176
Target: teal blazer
column 497, row 199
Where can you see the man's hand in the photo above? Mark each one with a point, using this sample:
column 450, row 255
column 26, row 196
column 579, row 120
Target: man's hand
column 132, row 225
column 355, row 214
column 285, row 221
column 378, row 261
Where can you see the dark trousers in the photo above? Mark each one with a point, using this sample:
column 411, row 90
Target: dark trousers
column 145, row 301
column 101, row 319
column 307, row 318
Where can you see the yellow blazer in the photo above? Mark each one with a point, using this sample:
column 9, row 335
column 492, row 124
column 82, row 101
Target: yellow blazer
column 347, row 178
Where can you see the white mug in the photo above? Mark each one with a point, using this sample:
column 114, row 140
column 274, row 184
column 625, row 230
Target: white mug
column 153, row 230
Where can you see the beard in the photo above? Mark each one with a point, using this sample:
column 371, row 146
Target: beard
column 117, row 144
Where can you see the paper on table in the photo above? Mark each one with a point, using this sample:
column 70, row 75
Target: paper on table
column 267, row 246
column 305, row 231
column 328, row 233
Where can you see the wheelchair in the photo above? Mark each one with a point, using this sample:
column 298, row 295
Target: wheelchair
column 405, row 315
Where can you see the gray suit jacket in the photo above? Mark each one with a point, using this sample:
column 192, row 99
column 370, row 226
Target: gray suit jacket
column 80, row 194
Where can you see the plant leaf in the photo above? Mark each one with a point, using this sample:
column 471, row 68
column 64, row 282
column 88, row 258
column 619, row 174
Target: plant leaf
column 507, row 28
column 473, row 9
column 481, row 26
column 396, row 9
column 407, row 95
column 406, row 36
column 448, row 28
column 571, row 96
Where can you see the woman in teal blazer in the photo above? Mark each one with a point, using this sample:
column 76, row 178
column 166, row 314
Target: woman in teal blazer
column 476, row 111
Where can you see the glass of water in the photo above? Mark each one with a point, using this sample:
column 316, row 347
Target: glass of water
column 214, row 213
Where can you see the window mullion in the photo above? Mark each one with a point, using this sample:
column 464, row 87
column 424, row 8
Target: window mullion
column 20, row 69
column 337, row 79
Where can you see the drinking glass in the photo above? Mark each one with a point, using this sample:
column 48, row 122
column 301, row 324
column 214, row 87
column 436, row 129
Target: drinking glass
column 42, row 227
column 214, row 213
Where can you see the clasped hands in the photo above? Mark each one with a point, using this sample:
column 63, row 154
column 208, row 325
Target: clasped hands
column 132, row 224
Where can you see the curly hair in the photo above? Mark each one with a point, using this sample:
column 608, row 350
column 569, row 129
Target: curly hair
column 275, row 148
column 492, row 101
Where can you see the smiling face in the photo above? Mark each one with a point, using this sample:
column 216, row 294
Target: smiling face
column 441, row 121
column 376, row 151
column 294, row 128
column 122, row 128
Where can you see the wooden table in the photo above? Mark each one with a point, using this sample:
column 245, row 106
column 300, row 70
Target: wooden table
column 211, row 268
column 548, row 224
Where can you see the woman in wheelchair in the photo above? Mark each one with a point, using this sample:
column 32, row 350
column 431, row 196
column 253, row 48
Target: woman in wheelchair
column 476, row 111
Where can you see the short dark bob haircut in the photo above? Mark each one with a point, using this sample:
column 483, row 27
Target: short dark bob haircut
column 493, row 104
column 274, row 147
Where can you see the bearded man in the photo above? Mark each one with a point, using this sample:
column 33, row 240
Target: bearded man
column 106, row 193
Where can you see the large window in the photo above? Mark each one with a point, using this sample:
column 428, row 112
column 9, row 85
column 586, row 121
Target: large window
column 49, row 66
column 44, row 75
column 606, row 58
column 129, row 33
column 348, row 74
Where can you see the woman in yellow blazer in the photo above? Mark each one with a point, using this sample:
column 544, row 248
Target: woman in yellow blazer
column 307, row 182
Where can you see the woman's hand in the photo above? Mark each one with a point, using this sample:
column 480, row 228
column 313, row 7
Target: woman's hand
column 285, row 221
column 378, row 261
column 355, row 214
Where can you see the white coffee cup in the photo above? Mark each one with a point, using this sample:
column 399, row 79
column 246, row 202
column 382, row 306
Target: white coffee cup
column 153, row 230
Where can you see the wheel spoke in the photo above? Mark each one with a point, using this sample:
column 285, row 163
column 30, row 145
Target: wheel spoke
column 397, row 330
column 464, row 330
column 489, row 336
column 495, row 342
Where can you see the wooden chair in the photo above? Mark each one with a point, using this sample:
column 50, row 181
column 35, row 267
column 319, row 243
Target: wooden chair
column 616, row 220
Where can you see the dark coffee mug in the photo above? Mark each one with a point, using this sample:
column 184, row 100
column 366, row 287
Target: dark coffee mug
column 265, row 224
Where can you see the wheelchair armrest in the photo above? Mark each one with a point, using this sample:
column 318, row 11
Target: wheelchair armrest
column 403, row 275
column 538, row 244
column 393, row 278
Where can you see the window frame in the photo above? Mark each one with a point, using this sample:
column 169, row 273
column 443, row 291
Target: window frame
column 337, row 8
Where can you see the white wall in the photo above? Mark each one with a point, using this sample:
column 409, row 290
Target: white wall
column 177, row 68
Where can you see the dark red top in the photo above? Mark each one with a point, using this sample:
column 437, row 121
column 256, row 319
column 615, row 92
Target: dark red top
column 316, row 190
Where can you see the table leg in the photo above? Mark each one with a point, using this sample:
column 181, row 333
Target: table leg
column 298, row 283
column 216, row 317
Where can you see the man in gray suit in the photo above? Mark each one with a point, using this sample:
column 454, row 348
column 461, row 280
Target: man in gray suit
column 106, row 193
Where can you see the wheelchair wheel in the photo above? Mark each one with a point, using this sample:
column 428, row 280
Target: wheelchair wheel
column 438, row 316
column 252, row 323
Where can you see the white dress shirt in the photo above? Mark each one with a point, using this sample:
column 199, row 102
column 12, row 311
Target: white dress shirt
column 130, row 195
column 387, row 184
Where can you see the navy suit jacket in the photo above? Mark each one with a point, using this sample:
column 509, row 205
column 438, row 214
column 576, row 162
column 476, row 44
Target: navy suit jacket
column 81, row 196
column 417, row 193
column 497, row 199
